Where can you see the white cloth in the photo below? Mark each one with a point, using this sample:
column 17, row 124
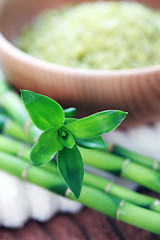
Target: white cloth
column 20, row 201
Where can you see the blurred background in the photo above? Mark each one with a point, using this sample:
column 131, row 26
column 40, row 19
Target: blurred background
column 132, row 87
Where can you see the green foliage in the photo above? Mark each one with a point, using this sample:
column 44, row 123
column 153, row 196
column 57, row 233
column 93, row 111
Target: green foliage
column 66, row 138
column 44, row 112
column 70, row 165
column 62, row 133
column 70, row 112
column 96, row 124
column 93, row 143
column 47, row 146
column 70, row 120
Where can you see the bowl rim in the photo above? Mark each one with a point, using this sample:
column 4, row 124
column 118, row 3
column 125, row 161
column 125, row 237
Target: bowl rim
column 10, row 49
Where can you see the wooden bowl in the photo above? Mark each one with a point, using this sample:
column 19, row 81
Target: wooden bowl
column 135, row 90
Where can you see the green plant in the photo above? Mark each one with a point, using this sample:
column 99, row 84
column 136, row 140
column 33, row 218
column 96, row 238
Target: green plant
column 62, row 135
column 110, row 205
column 97, row 193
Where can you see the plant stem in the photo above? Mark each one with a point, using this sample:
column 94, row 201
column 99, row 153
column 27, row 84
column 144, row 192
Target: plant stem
column 14, row 147
column 108, row 205
column 143, row 160
column 121, row 166
column 17, row 148
column 105, row 161
column 15, row 108
column 4, row 86
column 115, row 190
column 12, row 103
column 115, row 164
column 90, row 197
column 2, row 111
column 11, row 128
column 70, row 112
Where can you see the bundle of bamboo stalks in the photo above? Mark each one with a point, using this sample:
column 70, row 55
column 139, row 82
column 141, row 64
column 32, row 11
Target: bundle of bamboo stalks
column 18, row 135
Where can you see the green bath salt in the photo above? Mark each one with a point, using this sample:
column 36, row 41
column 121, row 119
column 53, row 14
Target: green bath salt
column 96, row 35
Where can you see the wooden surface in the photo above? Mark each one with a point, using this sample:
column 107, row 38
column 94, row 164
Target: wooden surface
column 85, row 225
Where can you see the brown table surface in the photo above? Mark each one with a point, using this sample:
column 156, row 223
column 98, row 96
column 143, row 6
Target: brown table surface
column 85, row 225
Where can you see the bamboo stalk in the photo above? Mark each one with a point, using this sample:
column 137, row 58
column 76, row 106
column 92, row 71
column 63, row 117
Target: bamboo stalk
column 11, row 102
column 143, row 160
column 123, row 167
column 18, row 148
column 16, row 131
column 11, row 128
column 115, row 190
column 106, row 204
column 120, row 166
column 19, row 114
column 2, row 111
column 14, row 147
column 4, row 86
column 114, row 164
column 15, row 108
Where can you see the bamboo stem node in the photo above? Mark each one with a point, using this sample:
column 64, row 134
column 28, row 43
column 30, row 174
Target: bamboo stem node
column 155, row 165
column 27, row 125
column 21, row 150
column 155, row 203
column 68, row 191
column 110, row 148
column 36, row 138
column 25, row 171
column 124, row 165
column 118, row 209
column 107, row 188
column 4, row 97
column 6, row 126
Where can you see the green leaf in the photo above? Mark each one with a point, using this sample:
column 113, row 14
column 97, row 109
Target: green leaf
column 94, row 143
column 66, row 138
column 70, row 120
column 70, row 165
column 44, row 112
column 70, row 112
column 96, row 124
column 46, row 148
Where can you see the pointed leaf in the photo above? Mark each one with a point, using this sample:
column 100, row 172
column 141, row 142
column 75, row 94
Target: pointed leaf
column 70, row 112
column 71, row 167
column 44, row 112
column 66, row 138
column 94, row 143
column 70, row 120
column 96, row 124
column 46, row 148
